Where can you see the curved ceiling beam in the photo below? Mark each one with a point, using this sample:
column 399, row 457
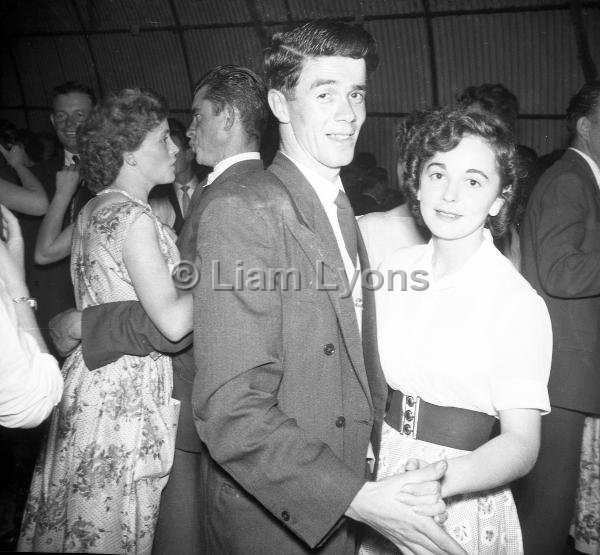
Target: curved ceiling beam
column 88, row 43
column 590, row 71
column 435, row 93
column 186, row 56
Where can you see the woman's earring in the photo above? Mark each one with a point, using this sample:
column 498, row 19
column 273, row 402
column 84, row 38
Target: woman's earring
column 130, row 161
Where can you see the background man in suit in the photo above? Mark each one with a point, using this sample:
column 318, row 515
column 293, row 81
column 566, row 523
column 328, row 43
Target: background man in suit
column 51, row 283
column 286, row 395
column 179, row 193
column 230, row 114
column 560, row 239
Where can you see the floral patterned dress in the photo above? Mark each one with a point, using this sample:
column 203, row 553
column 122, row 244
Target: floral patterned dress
column 98, row 481
column 586, row 521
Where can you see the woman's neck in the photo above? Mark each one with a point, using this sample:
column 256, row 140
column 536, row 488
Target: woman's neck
column 449, row 256
column 137, row 188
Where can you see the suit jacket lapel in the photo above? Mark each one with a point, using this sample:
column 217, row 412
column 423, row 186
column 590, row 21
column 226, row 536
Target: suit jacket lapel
column 311, row 228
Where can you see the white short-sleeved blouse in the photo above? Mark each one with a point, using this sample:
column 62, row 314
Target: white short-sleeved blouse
column 478, row 339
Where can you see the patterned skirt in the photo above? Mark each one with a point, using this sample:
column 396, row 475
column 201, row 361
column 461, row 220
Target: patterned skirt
column 97, row 484
column 485, row 523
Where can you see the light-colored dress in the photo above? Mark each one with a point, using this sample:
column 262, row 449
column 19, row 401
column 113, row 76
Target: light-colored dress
column 478, row 339
column 96, row 487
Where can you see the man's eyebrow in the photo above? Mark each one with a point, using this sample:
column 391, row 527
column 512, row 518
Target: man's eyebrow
column 321, row 82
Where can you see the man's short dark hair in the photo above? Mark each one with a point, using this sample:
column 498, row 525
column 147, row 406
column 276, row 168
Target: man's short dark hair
column 73, row 87
column 494, row 98
column 178, row 130
column 240, row 88
column 284, row 57
column 583, row 104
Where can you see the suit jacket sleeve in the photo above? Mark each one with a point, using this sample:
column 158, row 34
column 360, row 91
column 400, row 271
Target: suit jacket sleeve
column 566, row 267
column 111, row 330
column 239, row 351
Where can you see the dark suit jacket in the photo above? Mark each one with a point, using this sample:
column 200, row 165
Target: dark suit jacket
column 283, row 398
column 560, row 245
column 113, row 329
column 168, row 190
column 51, row 284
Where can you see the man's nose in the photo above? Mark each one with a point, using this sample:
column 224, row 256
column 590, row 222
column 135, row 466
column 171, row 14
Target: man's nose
column 345, row 110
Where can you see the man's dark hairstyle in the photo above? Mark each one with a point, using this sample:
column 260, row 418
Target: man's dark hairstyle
column 494, row 98
column 240, row 88
column 583, row 104
column 284, row 57
column 73, row 87
column 441, row 131
column 178, row 130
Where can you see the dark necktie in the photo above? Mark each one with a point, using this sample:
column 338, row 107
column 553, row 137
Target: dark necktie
column 185, row 200
column 347, row 223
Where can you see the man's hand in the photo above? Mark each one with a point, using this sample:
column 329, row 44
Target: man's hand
column 401, row 508
column 65, row 331
column 15, row 157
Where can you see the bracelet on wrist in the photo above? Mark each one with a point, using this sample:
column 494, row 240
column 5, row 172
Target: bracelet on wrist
column 28, row 300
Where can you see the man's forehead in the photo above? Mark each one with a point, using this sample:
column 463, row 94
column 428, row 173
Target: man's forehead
column 72, row 99
column 334, row 69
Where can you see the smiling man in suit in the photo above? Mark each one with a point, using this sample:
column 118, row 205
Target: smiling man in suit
column 287, row 396
column 560, row 238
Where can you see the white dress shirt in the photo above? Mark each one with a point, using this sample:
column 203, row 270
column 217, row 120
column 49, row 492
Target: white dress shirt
column 30, row 381
column 228, row 162
column 327, row 192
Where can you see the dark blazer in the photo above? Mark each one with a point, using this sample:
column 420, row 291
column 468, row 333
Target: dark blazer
column 285, row 397
column 113, row 329
column 560, row 246
column 168, row 190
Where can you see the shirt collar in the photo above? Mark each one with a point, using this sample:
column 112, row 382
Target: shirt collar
column 68, row 159
column 593, row 166
column 326, row 190
column 228, row 162
column 468, row 272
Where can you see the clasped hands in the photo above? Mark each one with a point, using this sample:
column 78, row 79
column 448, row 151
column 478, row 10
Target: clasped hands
column 406, row 508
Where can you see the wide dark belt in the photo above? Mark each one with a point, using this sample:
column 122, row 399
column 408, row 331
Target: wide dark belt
column 450, row 426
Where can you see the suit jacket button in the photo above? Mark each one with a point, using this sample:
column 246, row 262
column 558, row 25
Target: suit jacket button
column 340, row 422
column 329, row 349
column 285, row 516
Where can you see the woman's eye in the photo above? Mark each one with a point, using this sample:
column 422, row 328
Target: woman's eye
column 323, row 96
column 436, row 176
column 474, row 183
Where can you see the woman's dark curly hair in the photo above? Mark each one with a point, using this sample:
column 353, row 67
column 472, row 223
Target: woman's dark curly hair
column 441, row 131
column 115, row 126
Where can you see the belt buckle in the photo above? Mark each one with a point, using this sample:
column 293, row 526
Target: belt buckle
column 410, row 415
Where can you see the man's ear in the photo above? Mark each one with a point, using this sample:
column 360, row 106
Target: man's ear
column 279, row 105
column 229, row 116
column 52, row 121
column 583, row 127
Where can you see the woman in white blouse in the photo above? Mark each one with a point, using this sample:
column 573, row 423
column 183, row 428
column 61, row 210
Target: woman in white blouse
column 30, row 380
column 465, row 342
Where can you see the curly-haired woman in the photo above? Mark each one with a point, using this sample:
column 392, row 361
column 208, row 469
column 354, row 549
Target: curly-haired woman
column 465, row 343
column 98, row 481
